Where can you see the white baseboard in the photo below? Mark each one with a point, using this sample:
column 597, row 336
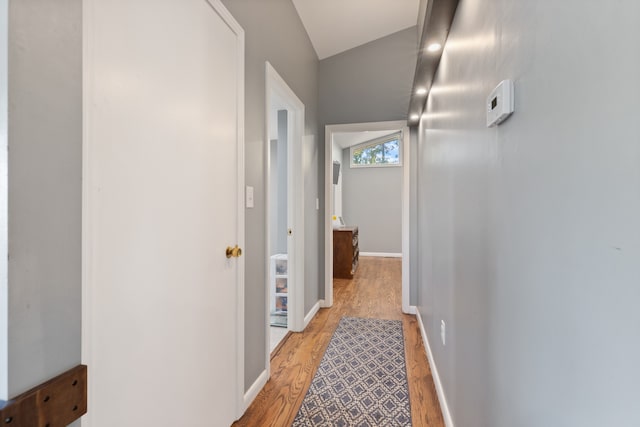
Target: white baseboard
column 412, row 309
column 312, row 313
column 382, row 254
column 253, row 391
column 446, row 413
column 262, row 379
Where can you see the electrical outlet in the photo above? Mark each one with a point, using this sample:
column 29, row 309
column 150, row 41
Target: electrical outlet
column 443, row 332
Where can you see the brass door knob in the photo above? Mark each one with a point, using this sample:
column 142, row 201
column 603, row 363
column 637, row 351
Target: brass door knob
column 233, row 252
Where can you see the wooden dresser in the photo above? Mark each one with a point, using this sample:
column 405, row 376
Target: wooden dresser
column 345, row 252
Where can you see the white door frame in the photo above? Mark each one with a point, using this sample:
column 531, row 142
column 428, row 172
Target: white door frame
column 328, row 203
column 277, row 89
column 88, row 206
column 240, row 296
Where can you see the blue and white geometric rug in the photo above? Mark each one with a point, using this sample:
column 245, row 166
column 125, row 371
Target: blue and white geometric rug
column 362, row 378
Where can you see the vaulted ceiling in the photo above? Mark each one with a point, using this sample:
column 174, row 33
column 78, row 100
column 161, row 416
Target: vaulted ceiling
column 335, row 26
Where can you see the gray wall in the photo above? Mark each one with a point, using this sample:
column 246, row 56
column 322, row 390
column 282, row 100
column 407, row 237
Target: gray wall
column 278, row 197
column 372, row 200
column 529, row 232
column 281, row 165
column 45, row 166
column 274, row 33
column 273, row 191
column 278, row 187
column 369, row 83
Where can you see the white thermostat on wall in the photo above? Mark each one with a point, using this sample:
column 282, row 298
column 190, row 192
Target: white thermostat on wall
column 500, row 103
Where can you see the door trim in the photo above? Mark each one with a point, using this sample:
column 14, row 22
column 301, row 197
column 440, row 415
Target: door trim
column 329, row 205
column 88, row 205
column 240, row 296
column 275, row 86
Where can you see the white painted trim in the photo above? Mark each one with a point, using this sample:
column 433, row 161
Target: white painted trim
column 328, row 202
column 382, row 254
column 4, row 200
column 446, row 413
column 267, row 227
column 276, row 86
column 295, row 242
column 267, row 341
column 255, row 388
column 406, row 221
column 311, row 314
column 322, row 304
column 328, row 213
column 412, row 310
column 87, row 207
column 240, row 285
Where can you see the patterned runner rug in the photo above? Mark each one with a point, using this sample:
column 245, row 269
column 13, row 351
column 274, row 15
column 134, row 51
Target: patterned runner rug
column 362, row 378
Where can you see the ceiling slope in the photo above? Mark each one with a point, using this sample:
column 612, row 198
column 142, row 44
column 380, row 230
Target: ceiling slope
column 335, row 26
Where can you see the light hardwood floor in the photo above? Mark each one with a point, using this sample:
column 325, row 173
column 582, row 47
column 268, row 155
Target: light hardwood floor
column 375, row 291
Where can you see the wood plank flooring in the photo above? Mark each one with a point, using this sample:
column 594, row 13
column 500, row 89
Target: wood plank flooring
column 375, row 291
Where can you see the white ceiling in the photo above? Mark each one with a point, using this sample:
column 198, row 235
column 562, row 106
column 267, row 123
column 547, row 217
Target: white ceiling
column 338, row 25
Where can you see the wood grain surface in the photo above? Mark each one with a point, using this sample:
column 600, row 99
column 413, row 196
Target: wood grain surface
column 375, row 291
column 54, row 403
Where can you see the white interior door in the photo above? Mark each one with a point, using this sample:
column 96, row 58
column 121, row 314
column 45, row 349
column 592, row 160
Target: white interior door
column 163, row 172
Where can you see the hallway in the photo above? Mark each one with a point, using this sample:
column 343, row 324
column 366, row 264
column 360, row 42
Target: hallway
column 375, row 291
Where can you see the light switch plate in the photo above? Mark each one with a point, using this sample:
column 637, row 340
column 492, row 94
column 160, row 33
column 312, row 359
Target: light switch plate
column 249, row 197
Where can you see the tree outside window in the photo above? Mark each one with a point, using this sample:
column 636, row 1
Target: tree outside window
column 380, row 152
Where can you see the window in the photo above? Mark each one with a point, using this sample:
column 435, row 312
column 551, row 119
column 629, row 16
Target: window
column 385, row 151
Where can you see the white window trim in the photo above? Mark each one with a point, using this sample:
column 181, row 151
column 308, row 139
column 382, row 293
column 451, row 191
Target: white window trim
column 378, row 141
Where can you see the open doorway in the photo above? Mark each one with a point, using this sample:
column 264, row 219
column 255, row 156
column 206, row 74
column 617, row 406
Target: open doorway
column 343, row 144
column 278, row 220
column 285, row 213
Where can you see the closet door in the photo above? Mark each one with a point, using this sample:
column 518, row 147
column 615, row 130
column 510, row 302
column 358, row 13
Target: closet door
column 163, row 329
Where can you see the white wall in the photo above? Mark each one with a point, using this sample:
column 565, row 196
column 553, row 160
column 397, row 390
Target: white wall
column 337, row 189
column 529, row 232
